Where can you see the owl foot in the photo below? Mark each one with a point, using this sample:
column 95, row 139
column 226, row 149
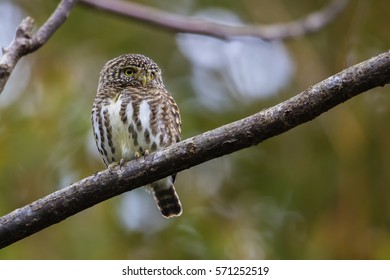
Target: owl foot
column 121, row 163
column 112, row 165
column 137, row 155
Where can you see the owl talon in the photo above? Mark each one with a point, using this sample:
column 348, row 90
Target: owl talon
column 137, row 155
column 112, row 166
column 146, row 152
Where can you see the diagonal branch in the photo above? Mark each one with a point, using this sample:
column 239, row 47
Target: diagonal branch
column 212, row 144
column 176, row 23
column 25, row 42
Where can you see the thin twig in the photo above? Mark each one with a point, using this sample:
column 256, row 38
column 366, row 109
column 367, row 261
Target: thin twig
column 25, row 42
column 176, row 23
column 212, row 144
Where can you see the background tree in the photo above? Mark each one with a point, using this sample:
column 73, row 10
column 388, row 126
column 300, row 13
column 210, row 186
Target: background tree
column 318, row 191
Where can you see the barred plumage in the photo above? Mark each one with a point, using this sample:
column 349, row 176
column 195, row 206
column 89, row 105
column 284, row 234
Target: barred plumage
column 133, row 115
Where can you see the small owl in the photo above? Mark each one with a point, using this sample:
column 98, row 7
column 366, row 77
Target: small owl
column 132, row 115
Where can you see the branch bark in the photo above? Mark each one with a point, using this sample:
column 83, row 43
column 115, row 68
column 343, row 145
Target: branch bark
column 171, row 22
column 25, row 42
column 212, row 144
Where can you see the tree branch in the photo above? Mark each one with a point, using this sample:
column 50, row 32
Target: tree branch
column 25, row 43
column 309, row 24
column 212, row 144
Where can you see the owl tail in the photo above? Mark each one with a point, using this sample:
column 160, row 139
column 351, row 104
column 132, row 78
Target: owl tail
column 167, row 200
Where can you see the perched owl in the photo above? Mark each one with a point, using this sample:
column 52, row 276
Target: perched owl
column 132, row 115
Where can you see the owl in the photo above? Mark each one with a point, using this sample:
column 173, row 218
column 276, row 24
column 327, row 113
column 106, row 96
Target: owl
column 133, row 115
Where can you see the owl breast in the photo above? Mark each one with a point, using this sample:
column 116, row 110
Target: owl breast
column 127, row 126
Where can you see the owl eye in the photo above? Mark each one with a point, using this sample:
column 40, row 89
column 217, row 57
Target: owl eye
column 152, row 75
column 128, row 71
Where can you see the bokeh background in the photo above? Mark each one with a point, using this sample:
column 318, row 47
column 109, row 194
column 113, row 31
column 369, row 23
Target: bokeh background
column 320, row 191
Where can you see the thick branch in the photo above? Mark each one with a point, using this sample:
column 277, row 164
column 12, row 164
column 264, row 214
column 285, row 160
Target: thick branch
column 25, row 43
column 221, row 141
column 309, row 24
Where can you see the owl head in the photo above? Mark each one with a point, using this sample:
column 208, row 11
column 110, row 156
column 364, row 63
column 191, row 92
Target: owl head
column 131, row 70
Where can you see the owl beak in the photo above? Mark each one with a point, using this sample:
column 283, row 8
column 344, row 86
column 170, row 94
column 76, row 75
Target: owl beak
column 144, row 80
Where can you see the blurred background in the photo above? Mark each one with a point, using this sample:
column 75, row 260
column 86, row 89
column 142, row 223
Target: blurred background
column 320, row 191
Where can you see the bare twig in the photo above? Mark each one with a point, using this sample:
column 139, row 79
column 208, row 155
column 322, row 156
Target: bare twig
column 309, row 24
column 221, row 141
column 25, row 42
